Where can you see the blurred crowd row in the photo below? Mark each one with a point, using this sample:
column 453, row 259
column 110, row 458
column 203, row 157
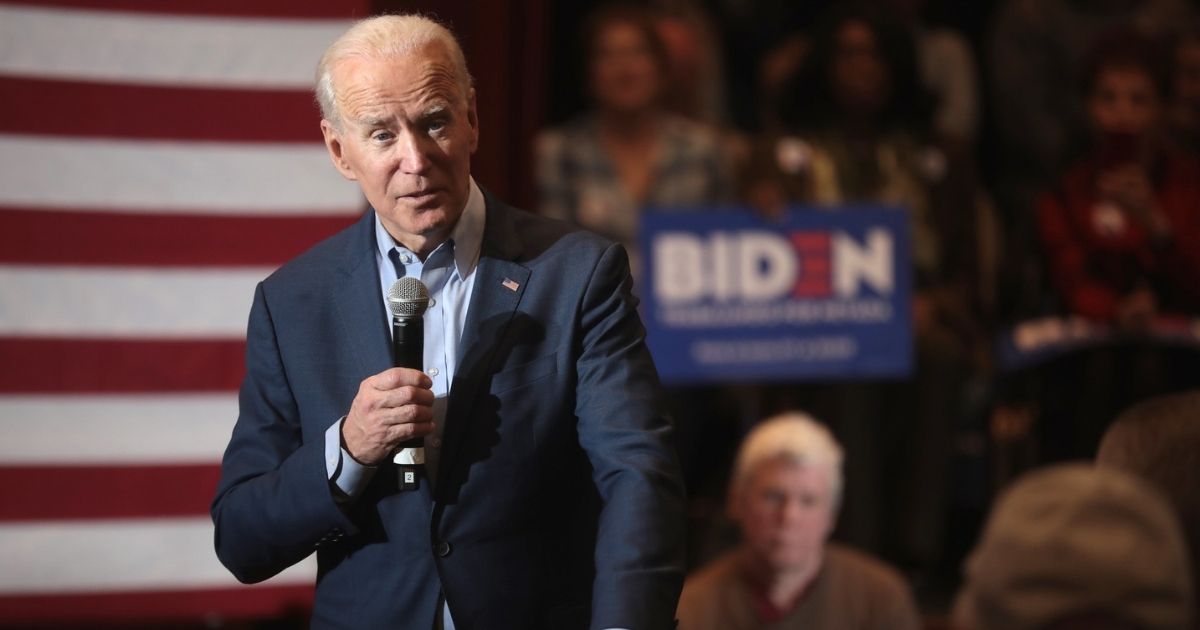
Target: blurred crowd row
column 1081, row 199
column 1088, row 545
column 1089, row 187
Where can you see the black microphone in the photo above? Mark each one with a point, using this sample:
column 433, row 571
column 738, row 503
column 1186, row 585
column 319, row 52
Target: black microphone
column 407, row 300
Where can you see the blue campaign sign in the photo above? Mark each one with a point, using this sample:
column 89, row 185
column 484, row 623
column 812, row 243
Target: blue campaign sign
column 728, row 296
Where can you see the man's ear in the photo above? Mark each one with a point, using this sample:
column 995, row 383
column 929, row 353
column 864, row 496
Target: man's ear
column 333, row 143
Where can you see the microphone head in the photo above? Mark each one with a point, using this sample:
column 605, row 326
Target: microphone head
column 408, row 297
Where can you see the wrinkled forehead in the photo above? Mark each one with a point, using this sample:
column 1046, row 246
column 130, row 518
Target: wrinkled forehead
column 427, row 72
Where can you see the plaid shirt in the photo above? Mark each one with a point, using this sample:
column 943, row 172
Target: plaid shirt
column 577, row 181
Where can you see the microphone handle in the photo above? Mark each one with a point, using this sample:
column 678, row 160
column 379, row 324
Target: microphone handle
column 408, row 351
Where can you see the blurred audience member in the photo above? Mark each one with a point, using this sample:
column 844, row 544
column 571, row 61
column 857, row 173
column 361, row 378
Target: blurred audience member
column 1077, row 547
column 1184, row 114
column 858, row 126
column 1159, row 440
column 1036, row 55
column 1038, row 49
column 1121, row 226
column 947, row 68
column 858, row 129
column 600, row 170
column 784, row 496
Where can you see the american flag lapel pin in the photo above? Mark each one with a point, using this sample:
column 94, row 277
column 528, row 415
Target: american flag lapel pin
column 510, row 284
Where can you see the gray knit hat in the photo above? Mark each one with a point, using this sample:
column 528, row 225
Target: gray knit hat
column 1072, row 539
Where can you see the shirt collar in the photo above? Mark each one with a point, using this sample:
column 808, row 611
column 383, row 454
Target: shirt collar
column 466, row 237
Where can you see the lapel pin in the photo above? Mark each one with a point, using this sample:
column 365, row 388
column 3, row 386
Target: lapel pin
column 510, row 284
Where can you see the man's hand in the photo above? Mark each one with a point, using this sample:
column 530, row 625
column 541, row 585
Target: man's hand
column 391, row 407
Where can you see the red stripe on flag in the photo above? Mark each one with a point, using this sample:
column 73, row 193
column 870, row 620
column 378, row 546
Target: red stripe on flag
column 328, row 9
column 52, row 365
column 76, row 108
column 103, row 238
column 87, row 492
column 118, row 609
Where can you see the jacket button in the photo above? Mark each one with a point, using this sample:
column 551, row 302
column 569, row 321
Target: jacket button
column 442, row 549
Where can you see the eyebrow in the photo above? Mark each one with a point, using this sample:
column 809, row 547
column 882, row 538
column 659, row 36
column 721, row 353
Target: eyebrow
column 372, row 121
column 435, row 109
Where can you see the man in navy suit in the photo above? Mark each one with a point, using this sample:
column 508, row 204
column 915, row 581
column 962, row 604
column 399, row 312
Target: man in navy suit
column 549, row 495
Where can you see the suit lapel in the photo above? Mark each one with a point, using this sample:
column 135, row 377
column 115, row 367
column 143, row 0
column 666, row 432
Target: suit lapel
column 359, row 303
column 499, row 284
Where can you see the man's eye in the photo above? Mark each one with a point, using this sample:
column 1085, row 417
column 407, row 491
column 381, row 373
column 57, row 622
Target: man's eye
column 381, row 136
column 437, row 125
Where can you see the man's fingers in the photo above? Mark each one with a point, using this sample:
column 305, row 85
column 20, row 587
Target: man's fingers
column 405, row 395
column 402, row 432
column 382, row 415
column 372, row 401
column 390, row 407
column 407, row 414
column 398, row 377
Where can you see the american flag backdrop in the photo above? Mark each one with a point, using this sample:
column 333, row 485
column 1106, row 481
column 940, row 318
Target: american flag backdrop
column 157, row 159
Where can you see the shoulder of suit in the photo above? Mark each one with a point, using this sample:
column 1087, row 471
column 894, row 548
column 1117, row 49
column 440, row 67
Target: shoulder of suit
column 541, row 236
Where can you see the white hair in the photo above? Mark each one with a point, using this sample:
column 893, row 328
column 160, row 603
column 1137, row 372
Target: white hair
column 795, row 437
column 382, row 37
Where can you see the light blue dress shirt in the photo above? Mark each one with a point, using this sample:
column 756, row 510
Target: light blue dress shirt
column 449, row 274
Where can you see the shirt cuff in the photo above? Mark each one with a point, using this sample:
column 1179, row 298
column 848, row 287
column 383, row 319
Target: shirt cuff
column 346, row 476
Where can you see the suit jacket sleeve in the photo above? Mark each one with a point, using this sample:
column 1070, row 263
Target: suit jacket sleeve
column 627, row 437
column 274, row 503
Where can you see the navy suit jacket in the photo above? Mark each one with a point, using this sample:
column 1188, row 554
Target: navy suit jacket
column 559, row 502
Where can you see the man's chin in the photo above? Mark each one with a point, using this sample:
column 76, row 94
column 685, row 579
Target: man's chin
column 427, row 224
column 418, row 216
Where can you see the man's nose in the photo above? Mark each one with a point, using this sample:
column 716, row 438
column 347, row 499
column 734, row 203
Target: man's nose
column 413, row 154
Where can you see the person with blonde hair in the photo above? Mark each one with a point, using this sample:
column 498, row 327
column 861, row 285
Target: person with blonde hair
column 785, row 574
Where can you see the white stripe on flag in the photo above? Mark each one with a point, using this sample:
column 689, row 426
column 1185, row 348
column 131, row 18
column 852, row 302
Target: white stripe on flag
column 118, row 302
column 170, row 429
column 170, row 50
column 162, row 177
column 158, row 554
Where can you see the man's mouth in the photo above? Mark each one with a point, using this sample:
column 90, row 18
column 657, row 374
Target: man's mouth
column 418, row 195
